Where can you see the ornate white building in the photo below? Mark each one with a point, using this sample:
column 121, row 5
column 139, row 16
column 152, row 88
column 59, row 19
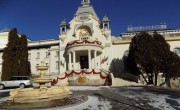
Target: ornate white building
column 85, row 50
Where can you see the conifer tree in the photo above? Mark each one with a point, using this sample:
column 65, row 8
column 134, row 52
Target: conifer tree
column 23, row 56
column 140, row 58
column 10, row 58
column 151, row 54
column 15, row 57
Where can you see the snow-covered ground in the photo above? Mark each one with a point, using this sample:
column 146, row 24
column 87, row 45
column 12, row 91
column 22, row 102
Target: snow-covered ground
column 86, row 88
column 5, row 90
column 158, row 100
column 3, row 99
column 93, row 103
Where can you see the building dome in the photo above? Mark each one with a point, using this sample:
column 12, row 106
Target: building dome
column 63, row 23
column 105, row 19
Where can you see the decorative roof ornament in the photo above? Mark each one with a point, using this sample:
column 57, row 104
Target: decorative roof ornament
column 85, row 2
column 105, row 19
column 63, row 23
column 86, row 10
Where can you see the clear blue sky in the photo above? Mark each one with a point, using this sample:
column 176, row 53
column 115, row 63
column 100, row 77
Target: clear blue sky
column 40, row 19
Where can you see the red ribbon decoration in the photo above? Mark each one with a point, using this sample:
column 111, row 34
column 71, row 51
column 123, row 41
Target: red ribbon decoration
column 77, row 73
column 85, row 41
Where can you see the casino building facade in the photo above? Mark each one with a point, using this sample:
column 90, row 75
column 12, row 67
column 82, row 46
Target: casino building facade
column 86, row 51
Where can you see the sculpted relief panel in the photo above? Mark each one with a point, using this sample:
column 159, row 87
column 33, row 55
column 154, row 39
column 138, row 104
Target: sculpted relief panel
column 83, row 33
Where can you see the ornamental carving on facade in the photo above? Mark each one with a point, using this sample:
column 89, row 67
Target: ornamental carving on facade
column 84, row 34
column 82, row 80
column 104, row 60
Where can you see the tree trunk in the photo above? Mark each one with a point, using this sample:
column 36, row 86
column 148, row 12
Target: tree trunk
column 156, row 74
column 150, row 79
column 144, row 78
column 167, row 80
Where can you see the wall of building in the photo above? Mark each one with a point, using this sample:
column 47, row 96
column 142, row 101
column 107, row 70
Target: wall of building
column 50, row 56
column 174, row 44
column 48, row 52
column 116, row 62
column 3, row 39
column 97, row 34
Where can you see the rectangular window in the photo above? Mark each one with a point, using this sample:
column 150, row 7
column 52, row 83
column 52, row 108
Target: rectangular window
column 47, row 54
column 29, row 56
column 57, row 53
column 57, row 64
column 38, row 55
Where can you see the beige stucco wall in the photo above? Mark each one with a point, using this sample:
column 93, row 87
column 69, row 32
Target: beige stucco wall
column 50, row 60
column 113, row 52
column 3, row 39
column 174, row 44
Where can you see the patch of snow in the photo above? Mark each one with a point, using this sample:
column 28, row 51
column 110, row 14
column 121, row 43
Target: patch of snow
column 5, row 90
column 93, row 103
column 3, row 99
column 135, row 88
column 85, row 88
column 159, row 101
column 156, row 100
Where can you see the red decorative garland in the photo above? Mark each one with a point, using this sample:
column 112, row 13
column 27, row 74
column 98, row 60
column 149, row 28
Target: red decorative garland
column 85, row 41
column 77, row 73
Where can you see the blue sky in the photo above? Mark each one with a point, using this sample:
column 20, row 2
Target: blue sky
column 40, row 19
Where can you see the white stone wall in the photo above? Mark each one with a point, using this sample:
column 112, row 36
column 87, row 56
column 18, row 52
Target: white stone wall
column 49, row 59
column 118, row 51
column 110, row 51
column 116, row 63
column 3, row 39
column 174, row 44
column 97, row 34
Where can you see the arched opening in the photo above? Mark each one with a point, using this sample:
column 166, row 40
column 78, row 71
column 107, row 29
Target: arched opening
column 84, row 32
column 106, row 26
column 63, row 30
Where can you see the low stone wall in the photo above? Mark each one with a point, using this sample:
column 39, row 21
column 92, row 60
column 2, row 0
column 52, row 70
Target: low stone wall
column 175, row 83
column 87, row 80
column 121, row 82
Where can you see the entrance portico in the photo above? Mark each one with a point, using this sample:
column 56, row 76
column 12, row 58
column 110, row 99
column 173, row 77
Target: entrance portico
column 84, row 55
column 84, row 59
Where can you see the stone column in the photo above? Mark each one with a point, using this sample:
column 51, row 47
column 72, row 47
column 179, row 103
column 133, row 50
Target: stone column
column 89, row 58
column 74, row 60
column 100, row 66
column 95, row 58
column 70, row 61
